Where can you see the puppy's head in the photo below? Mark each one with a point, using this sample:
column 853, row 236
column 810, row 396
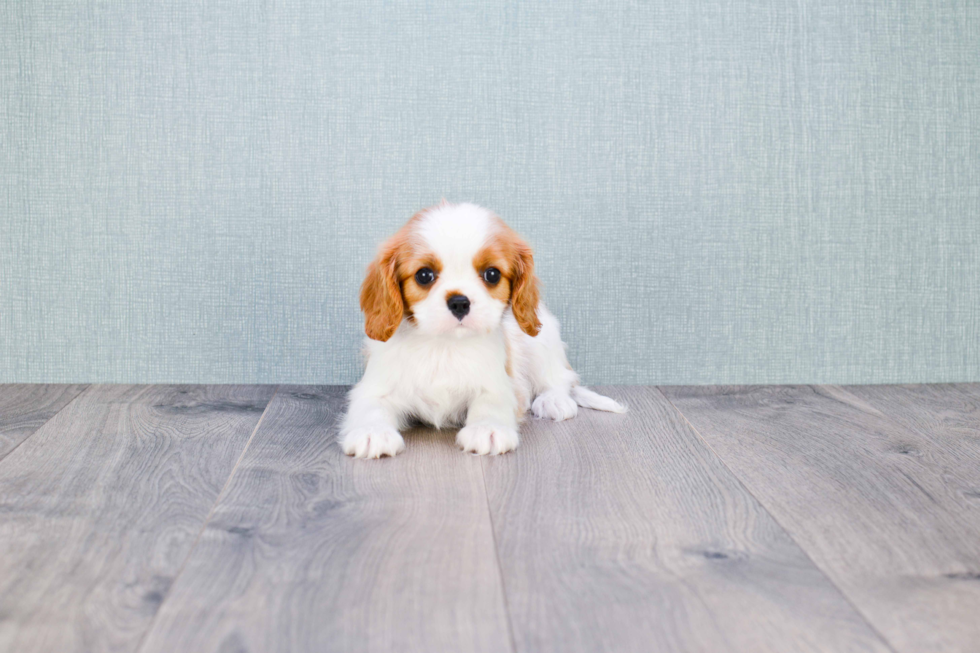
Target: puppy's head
column 452, row 269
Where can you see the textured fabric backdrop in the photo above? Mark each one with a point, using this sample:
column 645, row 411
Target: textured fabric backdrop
column 717, row 191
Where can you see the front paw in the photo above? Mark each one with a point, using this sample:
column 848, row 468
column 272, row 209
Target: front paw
column 487, row 439
column 555, row 405
column 372, row 441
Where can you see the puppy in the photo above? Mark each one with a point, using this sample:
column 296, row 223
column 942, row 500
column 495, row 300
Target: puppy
column 457, row 336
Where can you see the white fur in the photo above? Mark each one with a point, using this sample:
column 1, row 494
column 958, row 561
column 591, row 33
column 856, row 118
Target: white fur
column 447, row 372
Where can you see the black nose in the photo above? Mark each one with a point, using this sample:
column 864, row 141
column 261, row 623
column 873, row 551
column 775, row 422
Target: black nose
column 459, row 305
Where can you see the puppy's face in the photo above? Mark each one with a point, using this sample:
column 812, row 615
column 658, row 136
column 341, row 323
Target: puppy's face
column 452, row 269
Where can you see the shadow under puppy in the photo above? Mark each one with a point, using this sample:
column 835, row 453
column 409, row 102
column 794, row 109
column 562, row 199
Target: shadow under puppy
column 457, row 336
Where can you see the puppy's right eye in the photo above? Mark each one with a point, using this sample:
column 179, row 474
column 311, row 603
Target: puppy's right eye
column 425, row 276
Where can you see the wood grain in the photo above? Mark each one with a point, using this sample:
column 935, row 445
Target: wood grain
column 946, row 414
column 626, row 533
column 884, row 509
column 948, row 417
column 24, row 408
column 310, row 550
column 101, row 506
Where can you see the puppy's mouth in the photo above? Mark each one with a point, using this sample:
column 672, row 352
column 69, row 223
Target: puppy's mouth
column 463, row 328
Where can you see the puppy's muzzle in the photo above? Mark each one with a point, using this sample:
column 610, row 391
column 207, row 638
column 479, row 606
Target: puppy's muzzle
column 459, row 305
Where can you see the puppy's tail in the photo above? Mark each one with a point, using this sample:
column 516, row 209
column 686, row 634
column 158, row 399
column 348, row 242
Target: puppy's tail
column 588, row 399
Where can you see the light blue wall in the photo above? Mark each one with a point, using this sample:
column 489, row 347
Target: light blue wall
column 717, row 191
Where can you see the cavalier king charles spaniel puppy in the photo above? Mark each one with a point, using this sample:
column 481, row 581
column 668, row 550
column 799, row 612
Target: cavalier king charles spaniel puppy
column 458, row 337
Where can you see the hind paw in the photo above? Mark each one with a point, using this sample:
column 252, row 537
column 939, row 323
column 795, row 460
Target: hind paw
column 554, row 404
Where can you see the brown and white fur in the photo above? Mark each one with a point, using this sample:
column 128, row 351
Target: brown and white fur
column 478, row 361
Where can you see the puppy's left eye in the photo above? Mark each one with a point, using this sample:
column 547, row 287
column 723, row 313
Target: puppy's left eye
column 425, row 276
column 491, row 276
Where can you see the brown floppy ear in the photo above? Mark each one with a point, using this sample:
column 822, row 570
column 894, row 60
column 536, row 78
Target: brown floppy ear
column 524, row 291
column 381, row 294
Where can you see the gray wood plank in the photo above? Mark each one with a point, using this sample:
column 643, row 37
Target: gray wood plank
column 879, row 507
column 948, row 417
column 309, row 550
column 102, row 505
column 626, row 533
column 24, row 408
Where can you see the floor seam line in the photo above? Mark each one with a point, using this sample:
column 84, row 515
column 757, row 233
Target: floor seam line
column 204, row 525
column 806, row 553
column 905, row 428
column 496, row 554
column 58, row 412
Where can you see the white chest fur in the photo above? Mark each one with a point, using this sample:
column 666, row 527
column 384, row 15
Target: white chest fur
column 436, row 378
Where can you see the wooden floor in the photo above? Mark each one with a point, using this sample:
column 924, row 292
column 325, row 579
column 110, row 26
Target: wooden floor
column 226, row 518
